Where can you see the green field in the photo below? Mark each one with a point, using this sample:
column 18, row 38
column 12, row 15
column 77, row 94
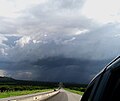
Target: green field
column 11, row 87
column 76, row 88
column 74, row 91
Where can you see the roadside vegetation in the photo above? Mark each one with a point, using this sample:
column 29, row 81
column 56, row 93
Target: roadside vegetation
column 17, row 90
column 18, row 93
column 11, row 87
column 76, row 88
column 75, row 91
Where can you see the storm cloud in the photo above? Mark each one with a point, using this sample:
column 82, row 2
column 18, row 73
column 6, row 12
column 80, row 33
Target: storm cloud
column 53, row 40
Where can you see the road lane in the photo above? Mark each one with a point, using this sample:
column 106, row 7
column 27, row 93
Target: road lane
column 65, row 96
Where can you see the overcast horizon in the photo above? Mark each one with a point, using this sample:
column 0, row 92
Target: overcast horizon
column 58, row 40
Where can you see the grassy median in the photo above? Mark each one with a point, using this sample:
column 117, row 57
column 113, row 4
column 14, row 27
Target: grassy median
column 74, row 91
column 18, row 93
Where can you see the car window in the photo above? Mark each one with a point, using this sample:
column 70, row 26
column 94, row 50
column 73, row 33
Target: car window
column 112, row 90
column 87, row 93
column 116, row 92
column 90, row 92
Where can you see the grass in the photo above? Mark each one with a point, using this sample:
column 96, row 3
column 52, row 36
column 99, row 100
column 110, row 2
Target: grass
column 74, row 91
column 18, row 93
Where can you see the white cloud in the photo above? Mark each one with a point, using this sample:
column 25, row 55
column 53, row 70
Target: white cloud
column 2, row 73
column 81, row 31
column 103, row 11
column 12, row 8
column 2, row 38
column 57, row 26
column 69, row 40
column 23, row 41
column 2, row 52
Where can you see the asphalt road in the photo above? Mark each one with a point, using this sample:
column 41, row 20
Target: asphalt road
column 65, row 96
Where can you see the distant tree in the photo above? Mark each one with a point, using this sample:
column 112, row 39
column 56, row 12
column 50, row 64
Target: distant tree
column 61, row 85
column 3, row 89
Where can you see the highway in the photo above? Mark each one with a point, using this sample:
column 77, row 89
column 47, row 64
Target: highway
column 65, row 96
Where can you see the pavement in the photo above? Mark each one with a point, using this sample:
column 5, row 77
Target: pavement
column 65, row 96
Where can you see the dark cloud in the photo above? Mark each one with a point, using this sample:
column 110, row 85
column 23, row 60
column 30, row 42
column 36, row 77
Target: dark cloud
column 11, row 40
column 53, row 41
column 63, row 58
column 57, row 69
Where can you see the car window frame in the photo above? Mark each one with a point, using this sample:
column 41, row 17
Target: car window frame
column 91, row 89
column 109, row 84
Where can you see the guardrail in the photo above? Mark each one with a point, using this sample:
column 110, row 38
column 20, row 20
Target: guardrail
column 33, row 97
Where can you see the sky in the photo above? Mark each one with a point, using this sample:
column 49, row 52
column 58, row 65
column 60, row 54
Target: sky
column 58, row 40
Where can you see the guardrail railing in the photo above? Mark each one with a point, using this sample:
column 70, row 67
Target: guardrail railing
column 33, row 97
